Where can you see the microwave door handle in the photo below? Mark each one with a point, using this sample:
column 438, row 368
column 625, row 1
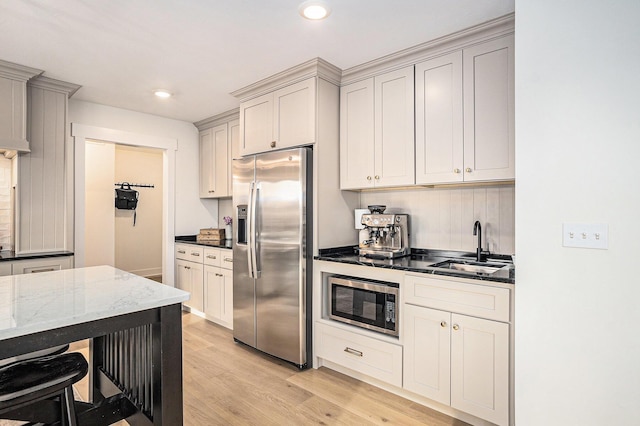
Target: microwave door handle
column 255, row 266
column 249, row 231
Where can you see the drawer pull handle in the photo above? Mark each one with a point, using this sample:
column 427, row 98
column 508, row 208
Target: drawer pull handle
column 35, row 271
column 182, row 252
column 195, row 254
column 211, row 257
column 352, row 351
column 228, row 259
column 219, row 275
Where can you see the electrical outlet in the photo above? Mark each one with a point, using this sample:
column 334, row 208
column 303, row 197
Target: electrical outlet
column 585, row 235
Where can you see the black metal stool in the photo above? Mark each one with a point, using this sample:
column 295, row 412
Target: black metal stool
column 25, row 383
column 44, row 352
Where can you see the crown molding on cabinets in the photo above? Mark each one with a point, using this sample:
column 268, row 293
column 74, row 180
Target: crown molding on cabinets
column 18, row 72
column 478, row 34
column 54, row 85
column 316, row 67
column 223, row 117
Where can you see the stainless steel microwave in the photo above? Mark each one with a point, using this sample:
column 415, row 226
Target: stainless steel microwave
column 368, row 304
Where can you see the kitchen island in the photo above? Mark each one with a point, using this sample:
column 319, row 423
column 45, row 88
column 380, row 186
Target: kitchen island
column 135, row 329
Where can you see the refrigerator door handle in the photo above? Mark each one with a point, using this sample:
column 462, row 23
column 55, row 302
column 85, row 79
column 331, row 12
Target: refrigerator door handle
column 250, row 213
column 255, row 262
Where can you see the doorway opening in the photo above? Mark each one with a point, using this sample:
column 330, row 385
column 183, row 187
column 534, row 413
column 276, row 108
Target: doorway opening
column 130, row 240
column 93, row 242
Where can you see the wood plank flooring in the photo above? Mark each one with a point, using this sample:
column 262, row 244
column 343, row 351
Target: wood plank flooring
column 226, row 383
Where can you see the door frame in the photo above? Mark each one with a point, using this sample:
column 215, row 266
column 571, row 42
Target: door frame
column 80, row 134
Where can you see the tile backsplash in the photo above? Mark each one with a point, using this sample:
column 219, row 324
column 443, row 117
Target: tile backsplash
column 443, row 218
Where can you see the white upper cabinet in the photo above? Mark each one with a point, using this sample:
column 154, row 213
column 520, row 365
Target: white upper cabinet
column 489, row 112
column 377, row 131
column 439, row 120
column 465, row 115
column 214, row 162
column 356, row 135
column 280, row 119
column 219, row 144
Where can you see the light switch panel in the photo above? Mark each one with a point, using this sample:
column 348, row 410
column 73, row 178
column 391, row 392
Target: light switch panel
column 585, row 235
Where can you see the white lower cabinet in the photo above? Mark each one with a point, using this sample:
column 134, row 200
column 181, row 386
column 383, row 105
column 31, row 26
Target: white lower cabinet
column 363, row 354
column 189, row 277
column 455, row 359
column 33, row 266
column 218, row 286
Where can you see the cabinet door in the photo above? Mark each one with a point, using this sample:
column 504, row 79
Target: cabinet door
column 394, row 128
column 214, row 162
column 234, row 151
column 197, row 286
column 480, row 368
column 294, row 122
column 189, row 277
column 439, row 120
column 427, row 352
column 356, row 135
column 206, row 163
column 227, row 298
column 214, row 291
column 256, row 124
column 183, row 277
column 489, row 135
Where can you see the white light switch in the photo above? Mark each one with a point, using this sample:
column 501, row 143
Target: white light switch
column 585, row 235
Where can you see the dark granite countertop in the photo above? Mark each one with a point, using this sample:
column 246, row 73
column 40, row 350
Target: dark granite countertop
column 192, row 239
column 8, row 256
column 421, row 260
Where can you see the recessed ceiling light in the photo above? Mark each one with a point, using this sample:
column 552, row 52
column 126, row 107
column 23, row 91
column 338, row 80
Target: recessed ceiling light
column 161, row 93
column 314, row 9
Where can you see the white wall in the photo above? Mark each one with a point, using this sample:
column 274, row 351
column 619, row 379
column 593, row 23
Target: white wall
column 443, row 218
column 99, row 230
column 578, row 148
column 191, row 212
column 138, row 248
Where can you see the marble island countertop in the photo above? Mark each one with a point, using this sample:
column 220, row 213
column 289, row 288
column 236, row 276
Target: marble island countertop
column 32, row 303
column 422, row 260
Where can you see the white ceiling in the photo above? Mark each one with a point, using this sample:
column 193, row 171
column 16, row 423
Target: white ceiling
column 119, row 51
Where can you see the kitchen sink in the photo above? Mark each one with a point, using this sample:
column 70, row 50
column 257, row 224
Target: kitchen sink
column 466, row 266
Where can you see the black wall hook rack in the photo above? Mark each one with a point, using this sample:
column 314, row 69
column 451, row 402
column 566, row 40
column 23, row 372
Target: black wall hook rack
column 136, row 185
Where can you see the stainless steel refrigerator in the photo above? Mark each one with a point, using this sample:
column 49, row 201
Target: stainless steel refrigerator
column 272, row 253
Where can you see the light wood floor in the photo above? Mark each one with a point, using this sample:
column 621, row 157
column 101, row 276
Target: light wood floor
column 227, row 383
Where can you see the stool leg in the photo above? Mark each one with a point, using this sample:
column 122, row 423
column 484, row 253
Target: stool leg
column 68, row 408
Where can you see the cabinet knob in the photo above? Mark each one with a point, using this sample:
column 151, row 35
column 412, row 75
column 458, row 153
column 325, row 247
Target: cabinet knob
column 456, row 327
column 456, row 170
column 468, row 169
column 377, row 177
column 273, row 144
column 443, row 324
column 368, row 177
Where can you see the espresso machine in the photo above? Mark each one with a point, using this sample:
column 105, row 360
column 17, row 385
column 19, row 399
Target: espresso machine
column 385, row 235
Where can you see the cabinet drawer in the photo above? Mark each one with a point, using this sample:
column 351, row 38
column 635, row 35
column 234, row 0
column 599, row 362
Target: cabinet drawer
column 459, row 297
column 363, row 354
column 189, row 252
column 226, row 259
column 212, row 257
